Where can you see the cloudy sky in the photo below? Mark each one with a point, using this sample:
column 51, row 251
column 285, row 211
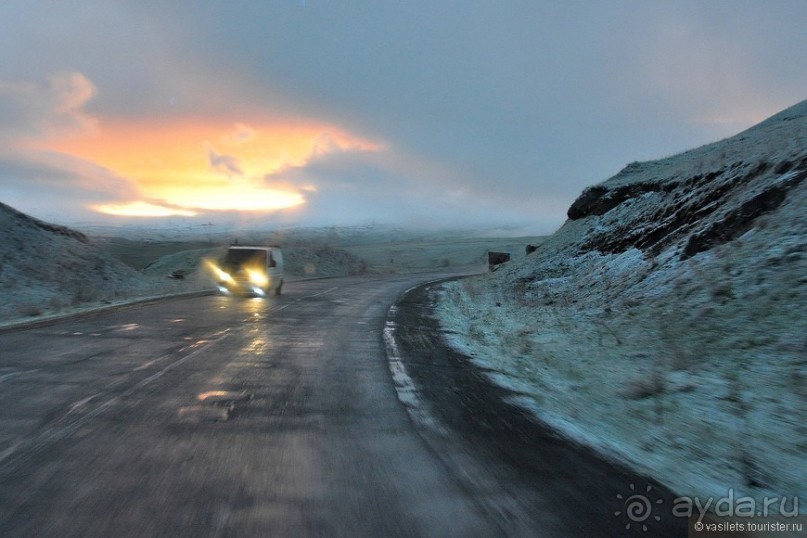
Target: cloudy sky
column 339, row 112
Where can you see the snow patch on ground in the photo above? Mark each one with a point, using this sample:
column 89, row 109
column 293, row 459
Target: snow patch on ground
column 49, row 269
column 687, row 362
column 405, row 387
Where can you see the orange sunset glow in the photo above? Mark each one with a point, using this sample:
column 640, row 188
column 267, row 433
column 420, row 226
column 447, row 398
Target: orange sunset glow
column 191, row 166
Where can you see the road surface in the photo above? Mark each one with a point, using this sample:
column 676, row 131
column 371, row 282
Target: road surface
column 222, row 416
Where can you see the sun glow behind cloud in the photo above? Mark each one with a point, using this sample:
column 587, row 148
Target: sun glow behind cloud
column 189, row 166
column 141, row 209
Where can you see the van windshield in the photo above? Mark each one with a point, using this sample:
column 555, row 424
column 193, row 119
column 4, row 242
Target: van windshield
column 245, row 256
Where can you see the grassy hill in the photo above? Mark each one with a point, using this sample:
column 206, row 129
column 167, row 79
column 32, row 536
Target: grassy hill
column 664, row 323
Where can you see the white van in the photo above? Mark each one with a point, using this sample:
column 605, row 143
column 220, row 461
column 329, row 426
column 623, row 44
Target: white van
column 251, row 270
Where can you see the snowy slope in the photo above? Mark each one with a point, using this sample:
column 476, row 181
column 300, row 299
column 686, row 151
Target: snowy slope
column 665, row 321
column 47, row 268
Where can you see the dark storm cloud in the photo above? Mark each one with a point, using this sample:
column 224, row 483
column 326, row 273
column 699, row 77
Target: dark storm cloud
column 523, row 102
column 49, row 183
column 56, row 186
column 532, row 99
column 382, row 187
column 29, row 110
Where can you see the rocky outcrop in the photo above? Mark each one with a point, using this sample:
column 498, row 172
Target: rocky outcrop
column 740, row 219
column 704, row 210
column 598, row 199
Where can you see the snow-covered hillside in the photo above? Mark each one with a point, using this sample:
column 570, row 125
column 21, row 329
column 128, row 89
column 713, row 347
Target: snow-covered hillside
column 46, row 268
column 665, row 322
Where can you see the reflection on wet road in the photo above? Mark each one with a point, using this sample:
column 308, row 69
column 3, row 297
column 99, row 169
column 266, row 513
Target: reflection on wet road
column 221, row 416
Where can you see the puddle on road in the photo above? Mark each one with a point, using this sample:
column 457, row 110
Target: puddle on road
column 217, row 397
column 213, row 406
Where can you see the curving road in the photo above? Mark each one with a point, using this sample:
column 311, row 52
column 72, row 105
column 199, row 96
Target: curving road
column 219, row 416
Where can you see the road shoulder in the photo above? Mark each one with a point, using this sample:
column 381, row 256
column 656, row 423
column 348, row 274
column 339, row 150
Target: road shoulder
column 534, row 478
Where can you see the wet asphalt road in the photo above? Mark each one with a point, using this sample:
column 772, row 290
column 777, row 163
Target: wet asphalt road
column 221, row 416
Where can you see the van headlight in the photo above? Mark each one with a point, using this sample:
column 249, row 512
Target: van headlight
column 258, row 278
column 222, row 275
